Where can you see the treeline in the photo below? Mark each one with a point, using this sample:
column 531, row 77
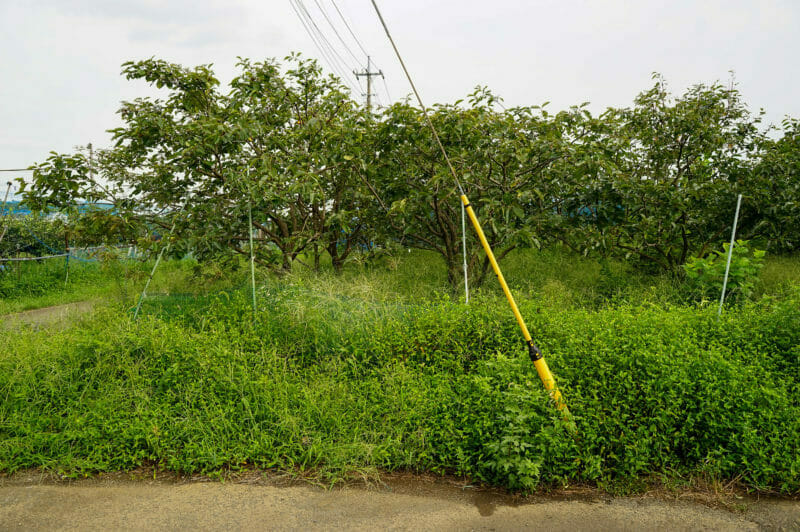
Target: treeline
column 655, row 183
column 36, row 236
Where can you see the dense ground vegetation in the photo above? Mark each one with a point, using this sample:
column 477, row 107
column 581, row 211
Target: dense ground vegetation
column 378, row 369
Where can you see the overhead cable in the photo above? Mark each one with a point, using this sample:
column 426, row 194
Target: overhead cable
column 315, row 39
column 335, row 55
column 335, row 31
column 348, row 27
column 533, row 351
column 355, row 38
column 386, row 87
column 419, row 100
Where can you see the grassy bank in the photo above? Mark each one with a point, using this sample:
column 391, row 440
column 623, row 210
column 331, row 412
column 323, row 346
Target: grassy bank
column 376, row 370
column 43, row 284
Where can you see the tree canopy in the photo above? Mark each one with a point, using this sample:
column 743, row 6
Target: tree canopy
column 655, row 182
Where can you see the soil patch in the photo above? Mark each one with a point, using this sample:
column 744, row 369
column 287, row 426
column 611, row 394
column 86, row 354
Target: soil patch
column 45, row 316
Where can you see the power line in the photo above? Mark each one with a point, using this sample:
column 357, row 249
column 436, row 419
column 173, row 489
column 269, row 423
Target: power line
column 311, row 35
column 333, row 27
column 367, row 73
column 321, row 34
column 536, row 356
column 317, row 43
column 323, row 39
column 349, row 28
column 16, row 170
column 338, row 64
column 386, row 87
column 360, row 45
column 419, row 99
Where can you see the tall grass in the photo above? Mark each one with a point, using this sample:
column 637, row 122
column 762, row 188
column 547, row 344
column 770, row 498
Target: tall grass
column 375, row 371
column 110, row 279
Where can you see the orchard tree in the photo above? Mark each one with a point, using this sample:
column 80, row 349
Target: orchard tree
column 667, row 188
column 502, row 159
column 279, row 143
column 771, row 207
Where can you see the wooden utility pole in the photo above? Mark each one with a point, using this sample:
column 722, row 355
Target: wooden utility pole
column 367, row 73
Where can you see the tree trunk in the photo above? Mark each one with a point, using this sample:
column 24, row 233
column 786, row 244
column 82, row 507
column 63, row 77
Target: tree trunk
column 338, row 264
column 317, row 254
column 455, row 274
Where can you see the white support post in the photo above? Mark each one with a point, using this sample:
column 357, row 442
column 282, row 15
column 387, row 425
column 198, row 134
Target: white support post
column 155, row 266
column 252, row 255
column 730, row 254
column 5, row 200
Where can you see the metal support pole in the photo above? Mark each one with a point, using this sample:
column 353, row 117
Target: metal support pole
column 536, row 356
column 252, row 255
column 5, row 200
column 730, row 254
column 66, row 258
column 147, row 284
column 464, row 249
column 155, row 266
column 533, row 351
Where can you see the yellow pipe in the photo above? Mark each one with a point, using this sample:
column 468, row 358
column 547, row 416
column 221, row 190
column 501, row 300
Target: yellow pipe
column 536, row 356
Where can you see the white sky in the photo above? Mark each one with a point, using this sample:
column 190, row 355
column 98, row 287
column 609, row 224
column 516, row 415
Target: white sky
column 61, row 58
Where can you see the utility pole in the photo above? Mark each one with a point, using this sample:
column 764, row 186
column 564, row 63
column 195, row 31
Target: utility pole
column 367, row 73
column 91, row 161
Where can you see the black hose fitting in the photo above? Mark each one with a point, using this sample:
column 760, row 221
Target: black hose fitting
column 533, row 351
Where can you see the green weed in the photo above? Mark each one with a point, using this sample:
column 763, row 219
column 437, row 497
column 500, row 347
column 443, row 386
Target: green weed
column 327, row 383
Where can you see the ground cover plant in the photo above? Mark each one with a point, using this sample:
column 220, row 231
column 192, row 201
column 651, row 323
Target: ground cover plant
column 360, row 355
column 376, row 369
column 37, row 284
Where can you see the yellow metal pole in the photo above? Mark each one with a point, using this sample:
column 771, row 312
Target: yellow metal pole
column 536, row 355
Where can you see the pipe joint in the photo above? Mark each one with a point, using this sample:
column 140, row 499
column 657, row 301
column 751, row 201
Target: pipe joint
column 533, row 351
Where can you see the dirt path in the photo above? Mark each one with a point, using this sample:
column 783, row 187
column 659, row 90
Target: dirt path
column 409, row 505
column 47, row 315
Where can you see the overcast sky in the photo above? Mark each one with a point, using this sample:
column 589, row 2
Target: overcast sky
column 61, row 58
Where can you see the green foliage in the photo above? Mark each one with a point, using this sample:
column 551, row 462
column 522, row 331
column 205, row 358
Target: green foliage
column 327, row 384
column 653, row 183
column 31, row 236
column 774, row 186
column 31, row 279
column 37, row 236
column 705, row 275
column 666, row 177
column 281, row 143
column 503, row 160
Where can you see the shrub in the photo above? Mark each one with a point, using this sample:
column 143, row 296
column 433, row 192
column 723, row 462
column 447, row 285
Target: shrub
column 705, row 276
column 336, row 385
